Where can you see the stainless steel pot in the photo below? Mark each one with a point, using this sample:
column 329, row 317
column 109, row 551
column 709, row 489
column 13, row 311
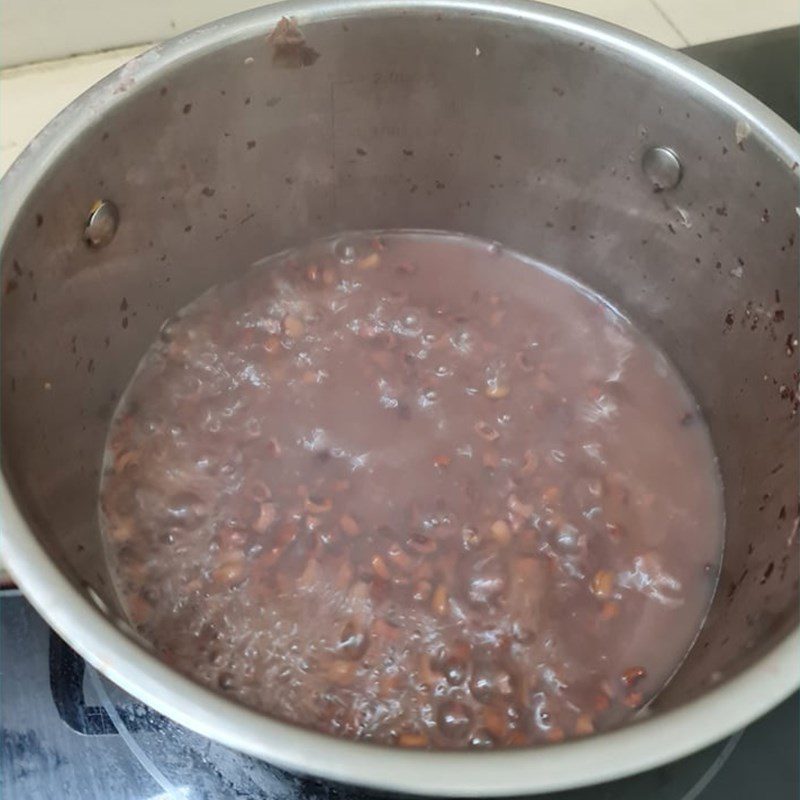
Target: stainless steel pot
column 651, row 178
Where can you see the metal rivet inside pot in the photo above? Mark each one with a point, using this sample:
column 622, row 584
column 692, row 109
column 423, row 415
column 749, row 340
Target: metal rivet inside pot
column 102, row 223
column 663, row 167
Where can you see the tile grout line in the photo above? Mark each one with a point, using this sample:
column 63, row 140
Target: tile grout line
column 669, row 22
column 82, row 57
column 88, row 58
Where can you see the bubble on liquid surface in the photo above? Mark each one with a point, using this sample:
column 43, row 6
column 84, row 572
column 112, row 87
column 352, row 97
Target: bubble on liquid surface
column 490, row 680
column 349, row 249
column 454, row 720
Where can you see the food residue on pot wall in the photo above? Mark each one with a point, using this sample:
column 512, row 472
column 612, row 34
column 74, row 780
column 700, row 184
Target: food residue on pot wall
column 289, row 48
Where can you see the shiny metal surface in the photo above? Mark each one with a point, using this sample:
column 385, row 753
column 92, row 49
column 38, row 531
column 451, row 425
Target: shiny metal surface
column 513, row 121
column 102, row 223
column 663, row 167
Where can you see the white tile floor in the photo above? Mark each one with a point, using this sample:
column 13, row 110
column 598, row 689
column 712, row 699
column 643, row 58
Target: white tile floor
column 642, row 16
column 678, row 23
column 31, row 95
column 706, row 20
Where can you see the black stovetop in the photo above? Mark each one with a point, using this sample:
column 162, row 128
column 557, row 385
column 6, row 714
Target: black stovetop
column 69, row 734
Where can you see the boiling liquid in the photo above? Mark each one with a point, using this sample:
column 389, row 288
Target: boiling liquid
column 415, row 489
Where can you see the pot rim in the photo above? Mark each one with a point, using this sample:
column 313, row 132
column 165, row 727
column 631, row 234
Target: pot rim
column 641, row 745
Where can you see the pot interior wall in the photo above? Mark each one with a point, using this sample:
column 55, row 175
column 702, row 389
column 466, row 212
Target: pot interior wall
column 529, row 135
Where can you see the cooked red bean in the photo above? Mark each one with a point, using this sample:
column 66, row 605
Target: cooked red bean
column 412, row 489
